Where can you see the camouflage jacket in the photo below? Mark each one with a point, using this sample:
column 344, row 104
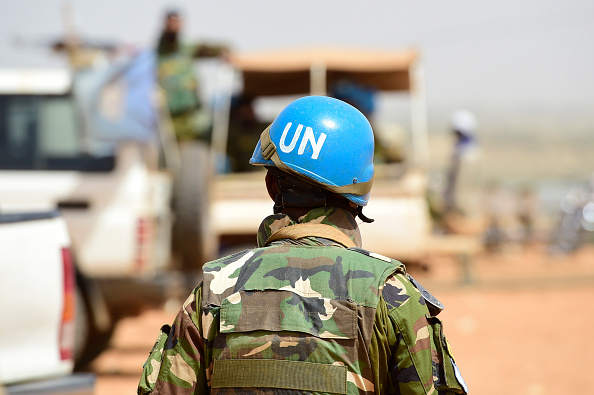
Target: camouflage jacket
column 304, row 316
column 178, row 79
column 177, row 75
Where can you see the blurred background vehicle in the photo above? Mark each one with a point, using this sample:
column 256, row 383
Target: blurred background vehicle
column 399, row 204
column 37, row 348
column 89, row 142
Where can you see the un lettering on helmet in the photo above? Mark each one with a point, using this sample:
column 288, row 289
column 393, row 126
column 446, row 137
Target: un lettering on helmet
column 307, row 137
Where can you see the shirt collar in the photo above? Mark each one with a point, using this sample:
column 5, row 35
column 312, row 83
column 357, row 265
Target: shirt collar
column 334, row 216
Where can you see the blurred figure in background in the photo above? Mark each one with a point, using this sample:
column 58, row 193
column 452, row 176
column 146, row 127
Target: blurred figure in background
column 178, row 79
column 576, row 220
column 192, row 241
column 464, row 130
column 445, row 208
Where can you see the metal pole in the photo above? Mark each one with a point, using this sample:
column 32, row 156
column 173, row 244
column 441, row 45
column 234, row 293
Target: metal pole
column 222, row 107
column 317, row 78
column 420, row 144
column 171, row 152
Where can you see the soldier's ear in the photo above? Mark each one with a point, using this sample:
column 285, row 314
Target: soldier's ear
column 271, row 185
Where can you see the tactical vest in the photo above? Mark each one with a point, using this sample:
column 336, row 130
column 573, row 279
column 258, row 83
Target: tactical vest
column 292, row 319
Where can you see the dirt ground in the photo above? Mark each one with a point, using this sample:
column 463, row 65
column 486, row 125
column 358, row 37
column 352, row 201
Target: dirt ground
column 519, row 322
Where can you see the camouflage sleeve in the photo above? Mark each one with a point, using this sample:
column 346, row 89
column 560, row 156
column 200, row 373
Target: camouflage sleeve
column 421, row 360
column 176, row 363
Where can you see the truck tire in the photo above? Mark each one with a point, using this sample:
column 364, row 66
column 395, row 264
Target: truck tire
column 193, row 241
column 81, row 326
column 90, row 338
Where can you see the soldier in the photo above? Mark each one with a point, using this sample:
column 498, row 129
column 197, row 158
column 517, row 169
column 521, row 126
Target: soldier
column 178, row 79
column 308, row 310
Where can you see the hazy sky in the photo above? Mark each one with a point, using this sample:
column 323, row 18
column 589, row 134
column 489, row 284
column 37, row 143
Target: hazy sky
column 496, row 58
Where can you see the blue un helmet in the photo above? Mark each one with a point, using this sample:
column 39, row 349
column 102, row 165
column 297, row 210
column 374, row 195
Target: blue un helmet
column 324, row 141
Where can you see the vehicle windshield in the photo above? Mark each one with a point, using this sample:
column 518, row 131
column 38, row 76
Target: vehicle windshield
column 41, row 133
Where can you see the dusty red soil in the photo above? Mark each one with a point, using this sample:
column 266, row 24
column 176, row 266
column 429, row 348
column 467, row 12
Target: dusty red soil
column 522, row 326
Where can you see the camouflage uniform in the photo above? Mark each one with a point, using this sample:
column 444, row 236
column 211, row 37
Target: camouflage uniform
column 304, row 316
column 177, row 77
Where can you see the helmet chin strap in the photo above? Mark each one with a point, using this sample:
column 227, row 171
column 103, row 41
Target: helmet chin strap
column 364, row 218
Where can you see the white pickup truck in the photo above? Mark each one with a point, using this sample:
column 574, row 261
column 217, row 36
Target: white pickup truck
column 116, row 200
column 38, row 307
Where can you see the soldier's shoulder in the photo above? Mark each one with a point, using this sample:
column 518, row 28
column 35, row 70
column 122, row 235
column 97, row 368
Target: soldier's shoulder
column 231, row 257
column 377, row 256
column 402, row 286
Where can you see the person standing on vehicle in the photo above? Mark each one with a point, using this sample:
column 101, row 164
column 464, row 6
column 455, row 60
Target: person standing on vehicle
column 178, row 79
column 308, row 310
